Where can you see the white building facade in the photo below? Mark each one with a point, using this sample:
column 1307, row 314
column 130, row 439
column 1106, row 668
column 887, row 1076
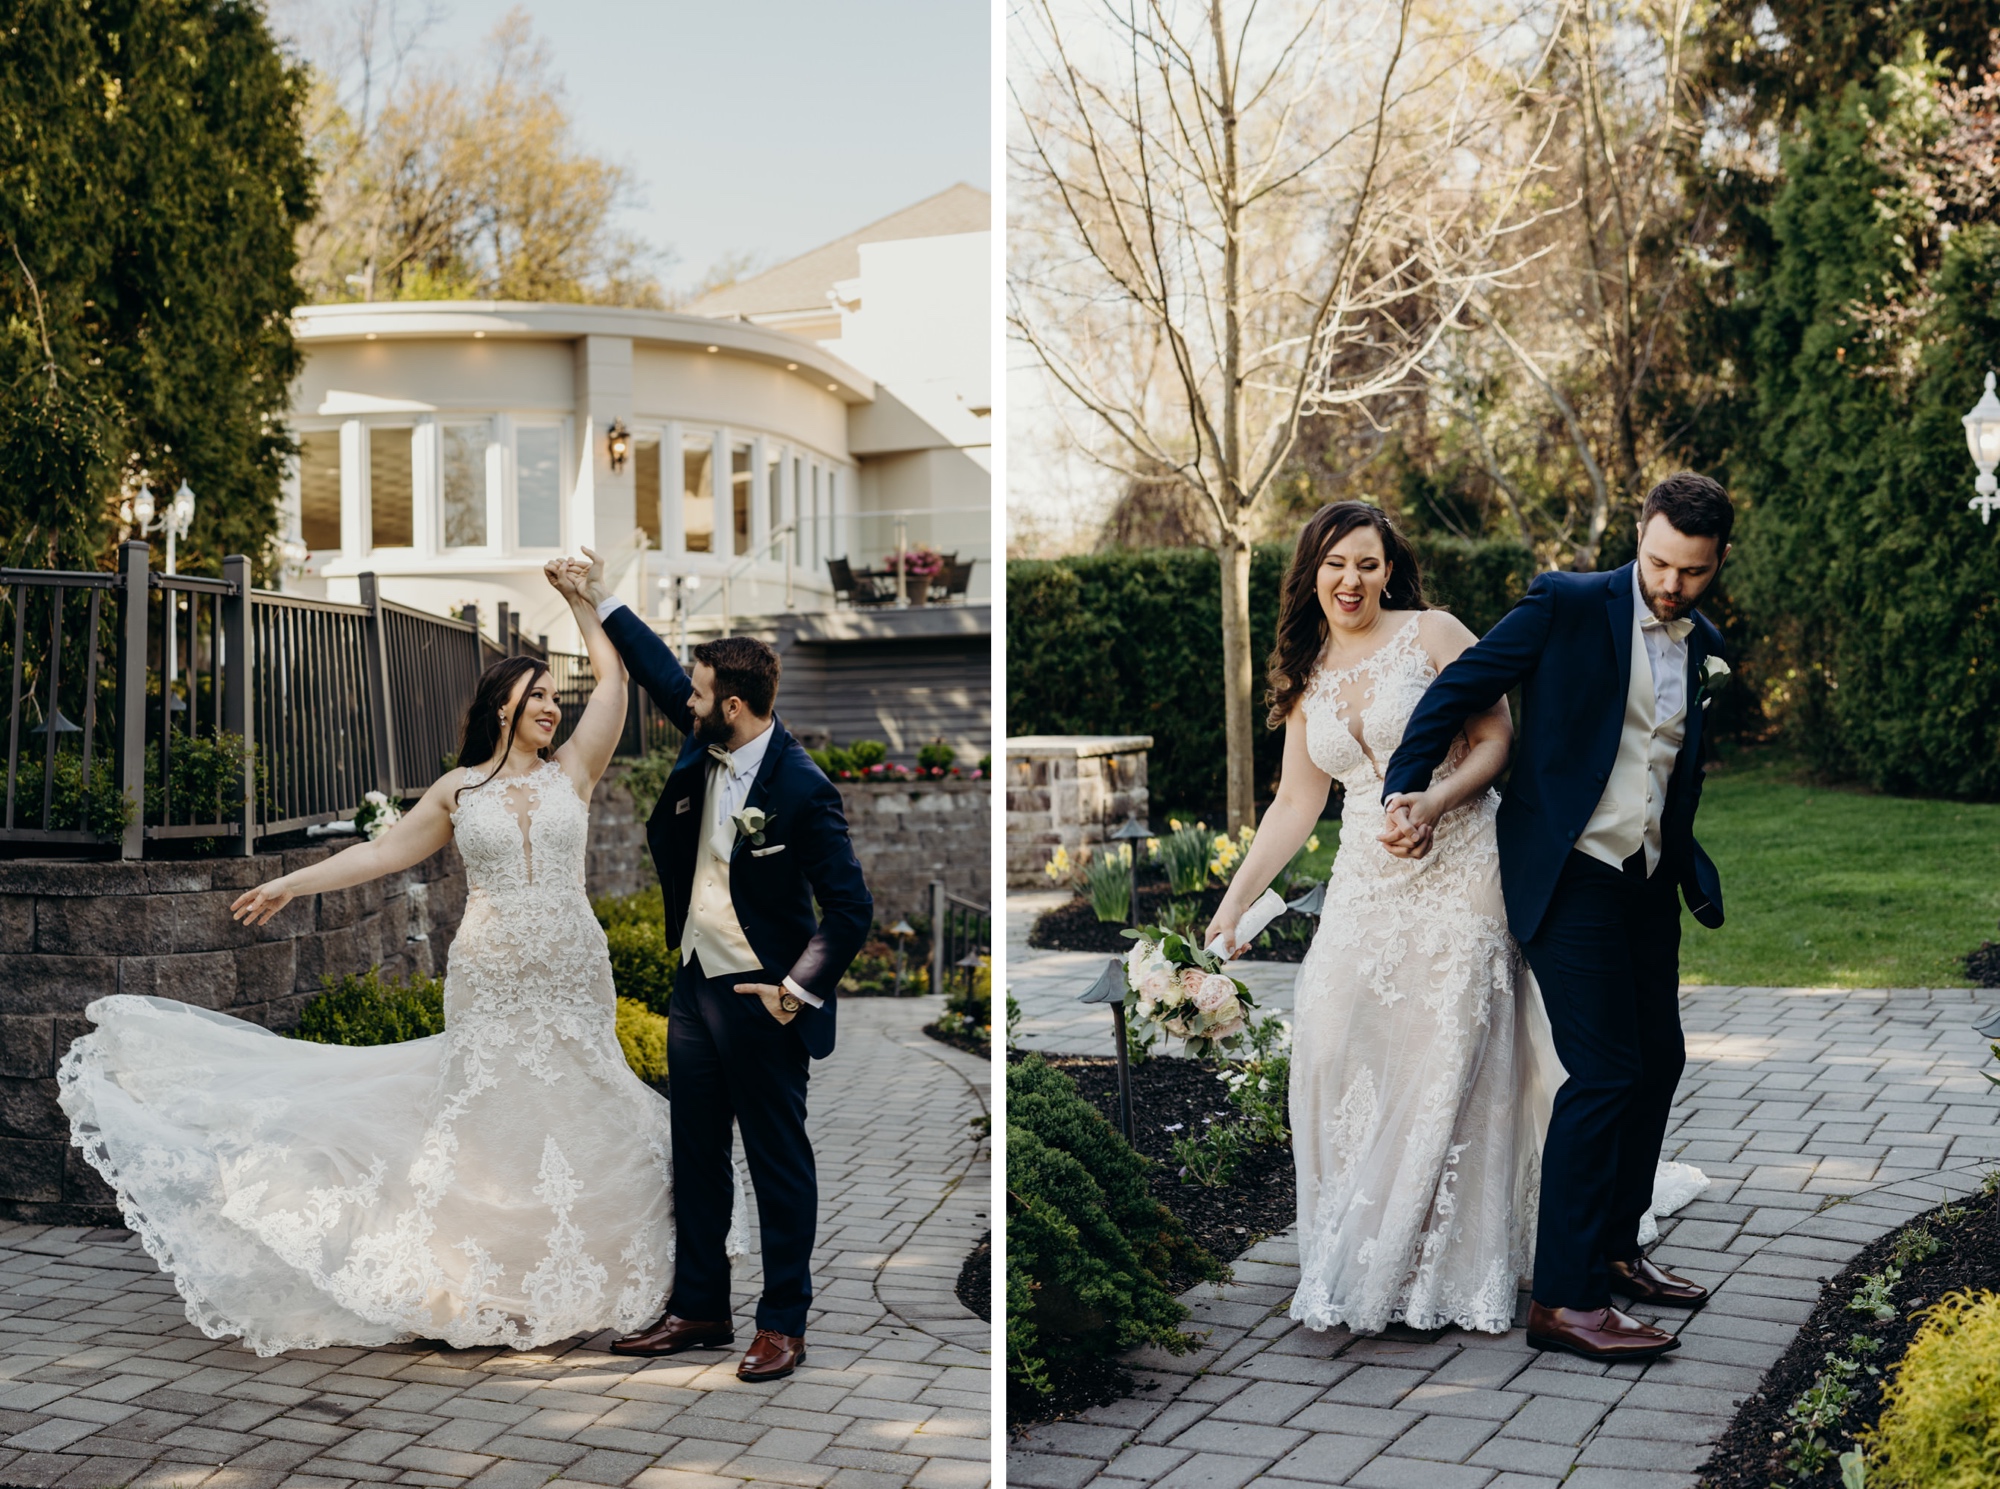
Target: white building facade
column 453, row 447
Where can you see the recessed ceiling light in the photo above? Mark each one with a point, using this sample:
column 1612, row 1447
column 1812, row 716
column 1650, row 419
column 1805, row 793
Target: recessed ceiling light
column 371, row 335
column 791, row 367
column 478, row 335
column 715, row 348
column 833, row 387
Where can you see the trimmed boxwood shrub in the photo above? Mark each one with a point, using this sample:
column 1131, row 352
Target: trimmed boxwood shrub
column 1127, row 642
column 1087, row 1244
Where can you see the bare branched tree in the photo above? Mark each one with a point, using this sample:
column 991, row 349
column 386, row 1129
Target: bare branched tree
column 1230, row 215
column 1595, row 328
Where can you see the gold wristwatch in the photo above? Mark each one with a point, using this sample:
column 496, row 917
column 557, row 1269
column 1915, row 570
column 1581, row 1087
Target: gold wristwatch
column 789, row 1002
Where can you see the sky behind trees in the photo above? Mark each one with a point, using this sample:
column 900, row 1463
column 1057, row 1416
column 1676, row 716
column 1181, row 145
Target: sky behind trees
column 766, row 127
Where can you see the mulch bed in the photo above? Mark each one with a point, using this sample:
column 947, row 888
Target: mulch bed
column 975, row 1279
column 972, row 1044
column 1747, row 1457
column 1075, row 926
column 1261, row 1198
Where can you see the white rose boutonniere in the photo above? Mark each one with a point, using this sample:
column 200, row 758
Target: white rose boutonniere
column 1714, row 673
column 751, row 822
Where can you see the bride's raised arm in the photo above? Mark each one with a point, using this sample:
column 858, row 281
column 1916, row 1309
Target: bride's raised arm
column 424, row 829
column 1290, row 820
column 588, row 749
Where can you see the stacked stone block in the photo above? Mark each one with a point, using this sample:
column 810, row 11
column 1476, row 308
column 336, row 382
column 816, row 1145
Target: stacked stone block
column 1070, row 792
column 74, row 932
column 907, row 833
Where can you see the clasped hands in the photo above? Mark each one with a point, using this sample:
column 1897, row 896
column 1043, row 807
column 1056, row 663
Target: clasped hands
column 1409, row 817
column 574, row 578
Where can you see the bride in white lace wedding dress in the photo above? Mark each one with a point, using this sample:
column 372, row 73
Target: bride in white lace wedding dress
column 1422, row 1065
column 505, row 1182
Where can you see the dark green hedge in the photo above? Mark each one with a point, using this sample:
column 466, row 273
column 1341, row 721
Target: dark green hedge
column 1087, row 1244
column 1129, row 643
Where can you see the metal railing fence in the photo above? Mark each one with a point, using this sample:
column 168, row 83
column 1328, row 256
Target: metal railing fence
column 961, row 934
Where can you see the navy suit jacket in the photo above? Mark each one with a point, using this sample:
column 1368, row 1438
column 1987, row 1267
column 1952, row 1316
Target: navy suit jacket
column 805, row 857
column 1568, row 647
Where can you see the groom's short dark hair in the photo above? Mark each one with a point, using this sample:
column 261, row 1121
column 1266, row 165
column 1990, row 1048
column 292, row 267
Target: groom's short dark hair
column 744, row 668
column 1692, row 504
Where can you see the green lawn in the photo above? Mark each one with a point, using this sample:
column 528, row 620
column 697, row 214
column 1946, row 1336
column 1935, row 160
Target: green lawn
column 1830, row 888
column 1840, row 889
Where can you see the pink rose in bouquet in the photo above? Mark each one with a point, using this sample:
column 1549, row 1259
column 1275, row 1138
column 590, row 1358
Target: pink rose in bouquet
column 1215, row 993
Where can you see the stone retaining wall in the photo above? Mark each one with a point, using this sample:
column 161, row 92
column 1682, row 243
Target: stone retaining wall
column 73, row 932
column 907, row 833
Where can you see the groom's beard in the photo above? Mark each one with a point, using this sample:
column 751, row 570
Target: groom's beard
column 712, row 729
column 1659, row 603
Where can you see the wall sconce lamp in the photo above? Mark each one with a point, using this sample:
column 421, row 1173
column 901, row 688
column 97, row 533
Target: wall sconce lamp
column 618, row 443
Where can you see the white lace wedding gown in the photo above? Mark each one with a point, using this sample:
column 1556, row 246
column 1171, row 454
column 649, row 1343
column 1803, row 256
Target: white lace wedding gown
column 1422, row 1067
column 505, row 1182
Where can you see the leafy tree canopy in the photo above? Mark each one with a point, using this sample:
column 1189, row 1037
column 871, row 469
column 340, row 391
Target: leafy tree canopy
column 153, row 174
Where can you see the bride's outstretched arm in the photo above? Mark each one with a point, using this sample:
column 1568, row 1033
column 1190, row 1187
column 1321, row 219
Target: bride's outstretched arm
column 588, row 749
column 424, row 829
column 1289, row 821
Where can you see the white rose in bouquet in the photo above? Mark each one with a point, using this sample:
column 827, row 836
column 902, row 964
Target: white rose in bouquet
column 1215, row 993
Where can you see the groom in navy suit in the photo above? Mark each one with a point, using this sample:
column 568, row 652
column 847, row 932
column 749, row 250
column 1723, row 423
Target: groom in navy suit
column 1596, row 833
column 747, row 836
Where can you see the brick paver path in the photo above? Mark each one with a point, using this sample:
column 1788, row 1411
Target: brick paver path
column 103, row 1381
column 1824, row 1120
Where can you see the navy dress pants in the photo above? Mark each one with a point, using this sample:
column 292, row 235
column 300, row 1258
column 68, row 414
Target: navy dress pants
column 1607, row 957
column 731, row 1065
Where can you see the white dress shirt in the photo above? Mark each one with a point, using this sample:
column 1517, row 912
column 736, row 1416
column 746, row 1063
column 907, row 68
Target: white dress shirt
column 728, row 787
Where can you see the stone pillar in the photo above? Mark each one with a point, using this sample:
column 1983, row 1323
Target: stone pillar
column 1069, row 791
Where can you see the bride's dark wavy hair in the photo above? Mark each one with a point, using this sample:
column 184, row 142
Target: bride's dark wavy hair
column 1301, row 621
column 479, row 741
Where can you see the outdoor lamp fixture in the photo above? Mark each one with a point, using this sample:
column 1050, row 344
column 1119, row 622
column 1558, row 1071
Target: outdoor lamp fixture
column 1982, row 436
column 142, row 515
column 1132, row 832
column 1110, row 988
column 902, row 930
column 618, row 443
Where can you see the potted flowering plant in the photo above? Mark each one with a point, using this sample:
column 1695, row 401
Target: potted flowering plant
column 920, row 565
column 1174, row 986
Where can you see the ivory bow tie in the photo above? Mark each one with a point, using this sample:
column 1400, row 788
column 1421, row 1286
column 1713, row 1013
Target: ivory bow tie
column 1677, row 629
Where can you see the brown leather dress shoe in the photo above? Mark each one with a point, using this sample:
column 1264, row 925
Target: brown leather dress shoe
column 1643, row 1282
column 772, row 1356
column 672, row 1335
column 1597, row 1334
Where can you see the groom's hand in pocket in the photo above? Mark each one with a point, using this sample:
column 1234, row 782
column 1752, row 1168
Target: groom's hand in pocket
column 770, row 997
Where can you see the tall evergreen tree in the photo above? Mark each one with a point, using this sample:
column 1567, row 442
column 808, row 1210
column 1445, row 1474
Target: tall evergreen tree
column 152, row 177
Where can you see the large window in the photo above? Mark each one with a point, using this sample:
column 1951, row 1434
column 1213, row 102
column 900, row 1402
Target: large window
column 739, row 498
column 698, row 493
column 391, row 487
column 774, row 489
column 464, row 488
column 646, row 485
column 319, row 490
column 801, row 515
column 538, row 486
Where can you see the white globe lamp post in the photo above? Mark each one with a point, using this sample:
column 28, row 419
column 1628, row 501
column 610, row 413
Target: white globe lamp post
column 1982, row 437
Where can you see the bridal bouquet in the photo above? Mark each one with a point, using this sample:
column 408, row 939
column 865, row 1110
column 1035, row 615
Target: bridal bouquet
column 376, row 815
column 1175, row 986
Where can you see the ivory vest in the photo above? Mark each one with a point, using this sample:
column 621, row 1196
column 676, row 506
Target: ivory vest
column 1629, row 812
